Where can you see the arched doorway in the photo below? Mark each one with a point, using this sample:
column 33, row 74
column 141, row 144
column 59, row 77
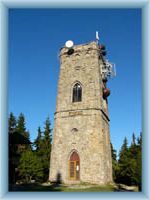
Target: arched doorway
column 74, row 166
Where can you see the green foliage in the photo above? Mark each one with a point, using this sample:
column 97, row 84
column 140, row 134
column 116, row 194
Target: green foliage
column 18, row 143
column 21, row 124
column 35, row 164
column 43, row 147
column 138, row 162
column 21, row 129
column 30, row 167
column 124, row 164
column 47, row 133
column 128, row 168
column 114, row 162
column 46, row 148
column 123, row 154
column 38, row 140
column 11, row 123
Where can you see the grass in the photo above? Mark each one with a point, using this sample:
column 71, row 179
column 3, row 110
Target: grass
column 61, row 188
column 94, row 188
column 34, row 187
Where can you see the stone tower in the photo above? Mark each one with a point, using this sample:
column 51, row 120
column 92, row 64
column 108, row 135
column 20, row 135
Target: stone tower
column 81, row 149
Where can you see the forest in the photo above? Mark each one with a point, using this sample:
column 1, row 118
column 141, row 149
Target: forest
column 29, row 162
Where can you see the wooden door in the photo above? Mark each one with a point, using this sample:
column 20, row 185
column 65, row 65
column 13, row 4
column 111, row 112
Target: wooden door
column 74, row 167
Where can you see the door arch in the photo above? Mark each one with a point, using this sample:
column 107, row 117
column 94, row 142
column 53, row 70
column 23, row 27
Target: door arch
column 74, row 166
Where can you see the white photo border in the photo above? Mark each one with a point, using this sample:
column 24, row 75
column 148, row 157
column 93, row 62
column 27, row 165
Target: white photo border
column 5, row 5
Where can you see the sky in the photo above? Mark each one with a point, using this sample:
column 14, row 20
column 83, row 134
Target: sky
column 35, row 38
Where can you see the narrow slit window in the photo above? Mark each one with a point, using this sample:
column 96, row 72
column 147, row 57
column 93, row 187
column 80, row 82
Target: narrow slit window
column 77, row 93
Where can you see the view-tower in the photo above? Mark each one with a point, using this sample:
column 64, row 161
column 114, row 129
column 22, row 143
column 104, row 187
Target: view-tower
column 81, row 149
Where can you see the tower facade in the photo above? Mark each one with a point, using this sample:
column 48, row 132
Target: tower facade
column 81, row 149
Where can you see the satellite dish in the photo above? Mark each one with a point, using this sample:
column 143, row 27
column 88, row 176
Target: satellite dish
column 69, row 44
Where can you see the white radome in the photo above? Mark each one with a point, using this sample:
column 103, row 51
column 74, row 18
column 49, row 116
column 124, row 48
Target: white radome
column 69, row 44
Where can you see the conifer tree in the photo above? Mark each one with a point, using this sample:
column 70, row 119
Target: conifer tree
column 130, row 162
column 139, row 140
column 135, row 161
column 133, row 140
column 43, row 148
column 38, row 140
column 125, row 170
column 139, row 162
column 12, row 147
column 30, row 167
column 47, row 133
column 21, row 129
column 47, row 148
column 21, row 124
column 115, row 167
column 18, row 143
column 11, row 123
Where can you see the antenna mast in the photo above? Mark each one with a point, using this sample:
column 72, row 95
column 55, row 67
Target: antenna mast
column 108, row 69
column 97, row 37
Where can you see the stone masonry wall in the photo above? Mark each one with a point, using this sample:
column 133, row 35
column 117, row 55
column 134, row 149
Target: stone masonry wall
column 91, row 139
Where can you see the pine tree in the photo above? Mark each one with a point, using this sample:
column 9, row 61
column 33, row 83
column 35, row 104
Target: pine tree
column 115, row 166
column 21, row 129
column 30, row 167
column 43, row 147
column 21, row 124
column 130, row 162
column 47, row 133
column 125, row 169
column 133, row 147
column 124, row 151
column 11, row 123
column 139, row 140
column 47, row 148
column 139, row 162
column 133, row 140
column 38, row 140
column 12, row 147
column 133, row 159
column 18, row 143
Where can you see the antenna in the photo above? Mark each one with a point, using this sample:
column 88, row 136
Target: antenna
column 97, row 37
column 108, row 70
column 69, row 44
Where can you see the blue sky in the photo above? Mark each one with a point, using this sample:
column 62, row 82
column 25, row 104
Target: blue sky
column 35, row 37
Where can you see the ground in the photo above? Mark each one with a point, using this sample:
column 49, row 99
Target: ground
column 69, row 188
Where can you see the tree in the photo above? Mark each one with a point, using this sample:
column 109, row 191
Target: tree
column 139, row 170
column 115, row 166
column 135, row 160
column 21, row 128
column 12, row 147
column 124, row 151
column 125, row 170
column 43, row 147
column 18, row 143
column 133, row 140
column 47, row 148
column 139, row 162
column 139, row 140
column 130, row 162
column 38, row 140
column 30, row 167
column 11, row 123
column 21, row 124
column 133, row 147
column 47, row 133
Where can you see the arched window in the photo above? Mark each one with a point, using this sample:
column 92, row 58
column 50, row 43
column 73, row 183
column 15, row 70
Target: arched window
column 77, row 93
